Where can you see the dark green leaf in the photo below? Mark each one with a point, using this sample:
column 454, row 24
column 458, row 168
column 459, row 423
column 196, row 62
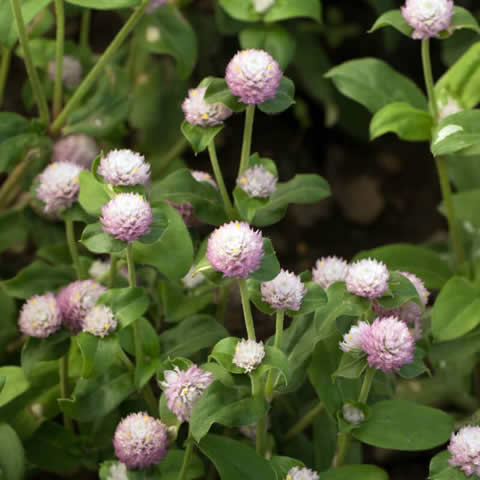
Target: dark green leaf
column 282, row 101
column 351, row 366
column 393, row 18
column 98, row 241
column 285, row 9
column 12, row 456
column 270, row 267
column 13, row 229
column 400, row 291
column 98, row 354
column 93, row 194
column 417, row 367
column 200, row 137
column 218, row 92
column 357, row 472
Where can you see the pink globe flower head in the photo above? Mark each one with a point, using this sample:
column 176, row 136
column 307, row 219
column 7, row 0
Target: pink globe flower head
column 127, row 217
column 155, row 5
column 352, row 340
column 297, row 473
column 140, row 441
column 284, row 292
column 329, row 270
column 235, row 249
column 76, row 300
column 254, row 76
column 257, row 181
column 99, row 321
column 59, row 186
column 248, row 355
column 200, row 176
column 388, row 343
column 464, row 447
column 118, row 471
column 367, row 278
column 183, row 388
column 40, row 316
column 71, row 73
column 428, row 17
column 185, row 210
column 198, row 112
column 124, row 168
column 77, row 148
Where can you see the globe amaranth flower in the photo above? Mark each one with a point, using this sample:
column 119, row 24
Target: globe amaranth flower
column 198, row 112
column 297, row 473
column 367, row 278
column 71, row 72
column 125, row 168
column 329, row 270
column 388, row 343
column 155, row 5
column 99, row 321
column 59, row 186
column 118, row 471
column 257, row 181
column 40, row 316
column 77, row 148
column 183, row 388
column 248, row 354
column 261, row 6
column 428, row 17
column 192, row 279
column 127, row 217
column 185, row 210
column 235, row 249
column 200, row 176
column 352, row 414
column 254, row 76
column 140, row 441
column 464, row 447
column 284, row 292
column 76, row 300
column 352, row 340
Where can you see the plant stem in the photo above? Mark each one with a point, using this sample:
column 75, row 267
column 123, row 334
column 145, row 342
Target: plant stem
column 95, row 72
column 112, row 273
column 60, row 42
column 261, row 437
column 11, row 181
column 222, row 303
column 344, row 438
column 186, row 458
column 85, row 28
column 277, row 344
column 63, row 378
column 440, row 162
column 247, row 138
column 72, row 246
column 4, row 69
column 227, row 203
column 38, row 92
column 304, row 422
column 247, row 310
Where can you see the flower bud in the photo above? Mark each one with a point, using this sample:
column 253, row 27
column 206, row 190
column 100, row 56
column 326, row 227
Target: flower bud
column 257, row 181
column 40, row 316
column 284, row 292
column 261, row 6
column 248, row 355
column 200, row 176
column 329, row 270
column 367, row 278
column 99, row 321
column 352, row 414
column 77, row 148
column 297, row 473
column 464, row 447
column 124, row 168
column 71, row 72
column 198, row 112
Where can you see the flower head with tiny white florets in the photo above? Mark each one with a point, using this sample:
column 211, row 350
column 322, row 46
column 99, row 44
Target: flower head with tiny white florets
column 428, row 17
column 261, row 6
column 183, row 388
column 77, row 148
column 464, row 448
column 254, row 76
column 248, row 355
column 40, row 316
column 72, row 71
column 352, row 414
column 258, row 182
column 235, row 249
column 198, row 112
column 124, row 168
column 329, row 270
column 127, row 217
column 297, row 473
column 140, row 441
column 118, row 471
column 99, row 321
column 352, row 340
column 59, row 186
column 367, row 278
column 284, row 292
column 200, row 176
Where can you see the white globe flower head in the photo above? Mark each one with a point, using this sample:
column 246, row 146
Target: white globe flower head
column 118, row 471
column 261, row 6
column 428, row 17
column 248, row 355
column 124, row 168
column 352, row 414
column 352, row 340
column 329, row 270
column 297, row 473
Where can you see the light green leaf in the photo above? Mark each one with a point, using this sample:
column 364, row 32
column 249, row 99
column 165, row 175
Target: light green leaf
column 98, row 354
column 200, row 137
column 270, row 266
column 12, row 456
column 15, row 383
column 105, row 4
column 93, row 194
column 98, row 241
column 357, row 472
column 285, row 9
column 218, row 92
column 393, row 18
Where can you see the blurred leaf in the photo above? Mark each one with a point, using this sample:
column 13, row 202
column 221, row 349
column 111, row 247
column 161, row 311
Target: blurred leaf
column 241, row 10
column 13, row 229
column 285, row 9
column 15, row 383
column 357, row 472
column 12, row 455
column 440, row 469
column 98, row 354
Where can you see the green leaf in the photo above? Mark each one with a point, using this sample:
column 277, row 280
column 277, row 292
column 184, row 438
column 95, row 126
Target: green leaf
column 457, row 134
column 440, row 469
column 43, row 349
column 200, row 137
column 105, row 4
column 276, row 360
column 283, row 99
column 223, row 352
column 424, row 263
column 393, row 18
column 93, row 194
column 401, row 290
column 12, row 456
column 417, row 367
column 282, row 465
column 274, row 39
column 15, row 148
column 11, row 123
column 227, row 406
column 98, row 241
column 168, row 32
column 357, row 472
column 402, row 425
column 407, row 122
column 38, row 278
column 456, row 310
column 13, row 229
column 302, row 189
column 466, row 205
column 375, row 84
column 241, row 10
column 269, row 267
column 15, row 383
column 218, row 92
column 285, row 9
column 351, row 366
column 244, row 464
column 98, row 354
column 462, row 19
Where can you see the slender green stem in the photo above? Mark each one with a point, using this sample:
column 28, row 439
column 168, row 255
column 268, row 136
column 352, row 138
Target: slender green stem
column 186, row 458
column 38, row 92
column 17, row 174
column 304, row 422
column 440, row 162
column 247, row 138
column 112, row 273
column 125, row 360
column 227, row 203
column 277, row 344
column 85, row 28
column 60, row 46
column 222, row 303
column 95, row 72
column 132, row 279
column 63, row 379
column 4, row 69
column 366, row 385
column 72, row 246
column 247, row 310
column 261, row 437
